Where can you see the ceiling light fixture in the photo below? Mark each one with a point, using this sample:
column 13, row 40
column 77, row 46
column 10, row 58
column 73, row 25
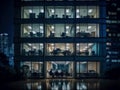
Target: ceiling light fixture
column 52, row 10
column 77, row 10
column 89, row 27
column 41, row 27
column 90, row 11
column 77, row 27
column 52, row 27
column 30, row 11
column 42, row 11
column 67, row 10
column 29, row 27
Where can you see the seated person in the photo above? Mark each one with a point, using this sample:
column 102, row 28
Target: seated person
column 56, row 51
column 40, row 52
column 51, row 73
column 67, row 53
column 39, row 34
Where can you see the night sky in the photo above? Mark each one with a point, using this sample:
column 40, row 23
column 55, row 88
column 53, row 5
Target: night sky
column 6, row 18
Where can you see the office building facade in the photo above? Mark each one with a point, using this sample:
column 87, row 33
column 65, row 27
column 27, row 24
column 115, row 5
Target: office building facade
column 60, row 38
column 113, row 34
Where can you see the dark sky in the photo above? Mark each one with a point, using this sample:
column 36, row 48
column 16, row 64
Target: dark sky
column 6, row 18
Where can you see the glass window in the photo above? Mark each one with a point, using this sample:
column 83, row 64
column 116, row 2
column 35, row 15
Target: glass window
column 89, row 69
column 60, row 30
column 32, row 30
column 32, row 69
column 59, row 12
column 32, row 49
column 32, row 12
column 87, row 49
column 59, row 69
column 87, row 12
column 59, row 49
column 87, row 30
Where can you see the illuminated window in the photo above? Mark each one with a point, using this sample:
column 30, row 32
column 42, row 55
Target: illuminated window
column 32, row 12
column 59, row 12
column 87, row 49
column 59, row 49
column 59, row 30
column 87, row 30
column 87, row 12
column 87, row 67
column 32, row 30
column 32, row 49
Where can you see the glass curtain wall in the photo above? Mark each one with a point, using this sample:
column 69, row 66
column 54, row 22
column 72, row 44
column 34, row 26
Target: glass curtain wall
column 32, row 49
column 32, row 30
column 59, row 49
column 32, row 69
column 87, row 12
column 59, row 12
column 60, row 30
column 87, row 69
column 87, row 49
column 87, row 30
column 59, row 69
column 32, row 12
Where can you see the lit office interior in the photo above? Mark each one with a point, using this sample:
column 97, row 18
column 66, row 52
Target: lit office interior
column 59, row 49
column 87, row 30
column 59, row 30
column 32, row 30
column 66, row 40
column 87, row 12
column 87, row 49
column 32, row 49
column 32, row 12
column 84, row 68
column 59, row 69
column 32, row 68
column 60, row 12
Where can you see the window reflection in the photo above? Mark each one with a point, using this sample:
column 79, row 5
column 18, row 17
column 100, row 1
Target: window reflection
column 32, row 49
column 59, row 49
column 32, row 30
column 86, row 49
column 82, row 85
column 60, row 30
column 59, row 85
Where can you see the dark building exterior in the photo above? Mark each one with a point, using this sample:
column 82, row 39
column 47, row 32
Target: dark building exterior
column 113, row 34
column 60, row 38
column 4, row 48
